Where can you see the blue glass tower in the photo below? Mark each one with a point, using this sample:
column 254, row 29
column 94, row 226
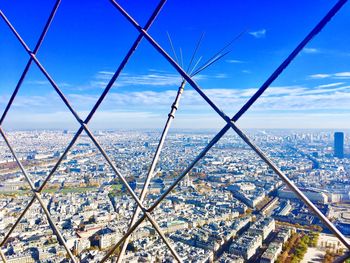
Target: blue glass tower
column 339, row 144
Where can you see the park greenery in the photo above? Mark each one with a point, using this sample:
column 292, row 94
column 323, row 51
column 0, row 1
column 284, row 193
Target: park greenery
column 296, row 247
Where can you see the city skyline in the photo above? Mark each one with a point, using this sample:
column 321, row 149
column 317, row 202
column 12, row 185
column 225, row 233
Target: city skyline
column 231, row 206
column 314, row 88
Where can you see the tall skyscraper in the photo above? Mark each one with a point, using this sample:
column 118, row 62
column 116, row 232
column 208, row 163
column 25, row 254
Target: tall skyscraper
column 339, row 144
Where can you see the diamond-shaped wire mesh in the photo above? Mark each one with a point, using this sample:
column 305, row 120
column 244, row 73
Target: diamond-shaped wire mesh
column 146, row 212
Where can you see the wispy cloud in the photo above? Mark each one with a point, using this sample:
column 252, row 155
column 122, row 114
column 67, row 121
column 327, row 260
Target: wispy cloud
column 259, row 33
column 126, row 106
column 326, row 51
column 234, row 61
column 331, row 85
column 46, row 82
column 319, row 76
column 338, row 75
column 153, row 78
column 221, row 76
column 38, row 82
column 334, row 95
column 308, row 50
column 344, row 75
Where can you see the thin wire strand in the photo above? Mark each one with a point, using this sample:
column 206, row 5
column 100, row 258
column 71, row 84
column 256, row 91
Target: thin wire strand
column 172, row 47
column 195, row 66
column 225, row 47
column 195, row 52
column 210, row 63
column 181, row 57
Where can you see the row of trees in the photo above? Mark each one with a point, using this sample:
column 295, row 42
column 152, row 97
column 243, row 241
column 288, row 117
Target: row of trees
column 296, row 247
column 301, row 249
column 331, row 255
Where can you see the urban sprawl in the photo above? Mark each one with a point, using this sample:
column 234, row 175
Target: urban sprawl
column 230, row 208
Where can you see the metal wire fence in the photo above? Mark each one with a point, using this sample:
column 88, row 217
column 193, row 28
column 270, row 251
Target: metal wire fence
column 147, row 211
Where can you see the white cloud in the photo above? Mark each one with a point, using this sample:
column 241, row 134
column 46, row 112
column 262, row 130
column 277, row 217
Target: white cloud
column 105, row 73
column 234, row 61
column 275, row 98
column 47, row 83
column 259, row 33
column 128, row 107
column 38, row 82
column 332, row 52
column 338, row 75
column 344, row 75
column 102, row 120
column 320, row 76
column 154, row 78
column 311, row 50
column 35, row 101
column 330, row 85
column 221, row 76
column 144, row 120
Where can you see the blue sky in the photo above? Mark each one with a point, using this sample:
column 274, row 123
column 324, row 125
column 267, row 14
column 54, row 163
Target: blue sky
column 88, row 39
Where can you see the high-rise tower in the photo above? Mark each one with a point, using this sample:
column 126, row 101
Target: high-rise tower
column 339, row 144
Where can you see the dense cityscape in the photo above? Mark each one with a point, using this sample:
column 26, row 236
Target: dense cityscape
column 230, row 208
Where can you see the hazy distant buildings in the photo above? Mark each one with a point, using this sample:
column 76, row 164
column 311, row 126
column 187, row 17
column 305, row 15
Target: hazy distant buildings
column 339, row 144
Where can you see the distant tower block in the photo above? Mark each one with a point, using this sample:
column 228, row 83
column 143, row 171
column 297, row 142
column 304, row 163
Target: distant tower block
column 339, row 144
